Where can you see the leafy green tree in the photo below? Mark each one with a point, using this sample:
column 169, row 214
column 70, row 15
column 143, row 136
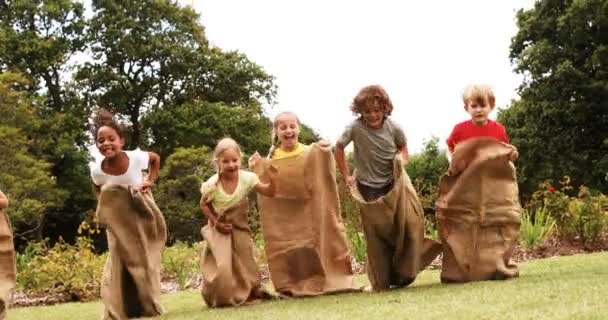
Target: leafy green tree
column 177, row 193
column 25, row 179
column 424, row 170
column 39, row 39
column 559, row 124
column 153, row 56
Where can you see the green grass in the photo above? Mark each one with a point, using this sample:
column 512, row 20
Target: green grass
column 574, row 287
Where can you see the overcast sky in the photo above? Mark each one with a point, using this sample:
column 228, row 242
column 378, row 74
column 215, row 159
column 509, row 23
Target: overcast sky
column 422, row 52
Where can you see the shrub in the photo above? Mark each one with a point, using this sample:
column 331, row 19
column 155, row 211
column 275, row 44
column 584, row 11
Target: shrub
column 181, row 262
column 555, row 201
column 535, row 228
column 589, row 215
column 65, row 269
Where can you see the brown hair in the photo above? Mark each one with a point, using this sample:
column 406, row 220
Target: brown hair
column 104, row 118
column 479, row 93
column 372, row 95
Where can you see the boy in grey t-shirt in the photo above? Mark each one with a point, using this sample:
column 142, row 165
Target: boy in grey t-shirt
column 377, row 139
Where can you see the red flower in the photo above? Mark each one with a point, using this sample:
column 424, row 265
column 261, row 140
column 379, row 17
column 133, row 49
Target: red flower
column 551, row 189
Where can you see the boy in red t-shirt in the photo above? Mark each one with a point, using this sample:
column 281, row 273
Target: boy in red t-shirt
column 478, row 103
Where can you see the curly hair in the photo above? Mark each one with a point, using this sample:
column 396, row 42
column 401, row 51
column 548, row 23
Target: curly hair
column 104, row 118
column 373, row 95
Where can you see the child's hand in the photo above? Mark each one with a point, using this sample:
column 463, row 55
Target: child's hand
column 223, row 227
column 254, row 159
column 324, row 143
column 514, row 155
column 350, row 181
column 146, row 186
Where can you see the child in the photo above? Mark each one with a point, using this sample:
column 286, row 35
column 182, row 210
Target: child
column 478, row 212
column 304, row 235
column 136, row 229
column 118, row 166
column 377, row 140
column 393, row 227
column 478, row 101
column 7, row 258
column 230, row 272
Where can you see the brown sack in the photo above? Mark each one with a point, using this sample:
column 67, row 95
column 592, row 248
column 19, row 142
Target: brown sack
column 136, row 233
column 394, row 232
column 8, row 270
column 304, row 235
column 478, row 213
column 230, row 274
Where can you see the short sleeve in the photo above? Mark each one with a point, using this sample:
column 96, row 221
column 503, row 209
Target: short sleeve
column 505, row 135
column 250, row 180
column 208, row 187
column 400, row 139
column 142, row 158
column 451, row 139
column 347, row 135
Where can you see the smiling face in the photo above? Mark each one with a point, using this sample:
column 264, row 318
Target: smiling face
column 373, row 115
column 479, row 110
column 109, row 142
column 229, row 162
column 287, row 128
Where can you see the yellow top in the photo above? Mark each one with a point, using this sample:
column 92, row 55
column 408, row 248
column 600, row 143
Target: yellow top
column 282, row 154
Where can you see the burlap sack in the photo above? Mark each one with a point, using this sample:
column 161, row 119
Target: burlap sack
column 394, row 232
column 8, row 270
column 478, row 213
column 230, row 274
column 136, row 233
column 304, row 236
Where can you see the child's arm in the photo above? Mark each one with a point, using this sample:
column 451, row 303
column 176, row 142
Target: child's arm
column 341, row 160
column 405, row 155
column 268, row 189
column 3, row 201
column 154, row 165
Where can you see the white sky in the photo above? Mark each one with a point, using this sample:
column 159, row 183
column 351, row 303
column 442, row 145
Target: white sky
column 323, row 51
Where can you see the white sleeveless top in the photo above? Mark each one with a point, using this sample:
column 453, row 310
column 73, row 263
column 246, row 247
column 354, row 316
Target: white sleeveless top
column 138, row 161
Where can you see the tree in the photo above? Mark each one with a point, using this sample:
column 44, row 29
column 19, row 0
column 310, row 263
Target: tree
column 25, row 178
column 153, row 55
column 39, row 39
column 178, row 195
column 559, row 124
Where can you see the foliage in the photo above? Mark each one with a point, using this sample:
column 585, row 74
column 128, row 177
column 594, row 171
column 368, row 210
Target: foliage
column 555, row 201
column 535, row 228
column 40, row 40
column 26, row 179
column 589, row 215
column 181, row 262
column 178, row 195
column 203, row 124
column 154, row 56
column 559, row 125
column 582, row 215
column 358, row 245
column 63, row 269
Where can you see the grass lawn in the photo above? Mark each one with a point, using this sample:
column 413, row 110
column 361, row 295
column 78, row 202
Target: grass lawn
column 574, row 287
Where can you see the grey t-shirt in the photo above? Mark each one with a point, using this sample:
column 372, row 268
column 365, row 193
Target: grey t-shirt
column 375, row 150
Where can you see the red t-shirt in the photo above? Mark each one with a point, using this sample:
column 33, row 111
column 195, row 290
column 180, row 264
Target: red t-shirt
column 467, row 130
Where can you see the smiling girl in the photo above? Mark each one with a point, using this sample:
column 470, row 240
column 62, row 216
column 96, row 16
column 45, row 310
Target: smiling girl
column 119, row 166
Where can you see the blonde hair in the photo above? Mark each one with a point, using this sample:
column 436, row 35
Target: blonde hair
column 373, row 95
column 274, row 139
column 222, row 146
column 480, row 93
